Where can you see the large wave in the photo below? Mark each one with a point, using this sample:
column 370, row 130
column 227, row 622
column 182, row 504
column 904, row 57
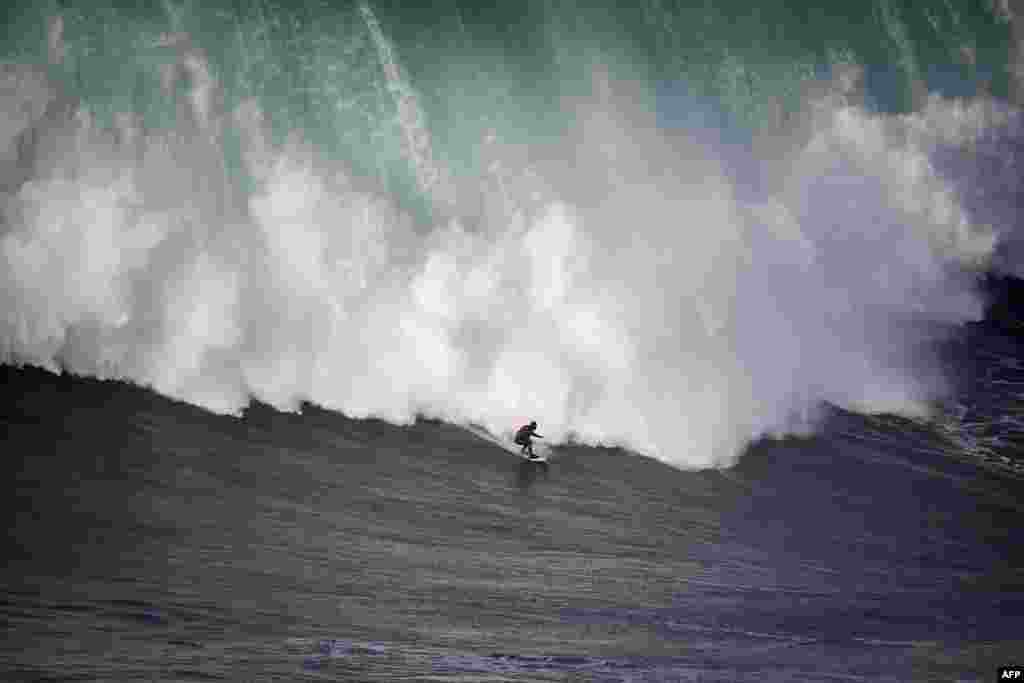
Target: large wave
column 627, row 284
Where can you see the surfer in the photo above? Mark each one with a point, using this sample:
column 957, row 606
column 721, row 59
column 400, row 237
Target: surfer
column 524, row 436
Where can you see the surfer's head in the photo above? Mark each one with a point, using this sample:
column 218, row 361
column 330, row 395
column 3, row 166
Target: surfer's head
column 533, row 423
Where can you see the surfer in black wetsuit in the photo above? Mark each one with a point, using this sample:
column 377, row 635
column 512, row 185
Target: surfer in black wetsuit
column 523, row 437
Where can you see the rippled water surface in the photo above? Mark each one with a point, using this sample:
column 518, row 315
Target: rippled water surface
column 150, row 540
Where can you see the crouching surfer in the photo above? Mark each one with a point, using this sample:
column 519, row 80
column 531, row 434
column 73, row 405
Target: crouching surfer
column 524, row 438
column 527, row 471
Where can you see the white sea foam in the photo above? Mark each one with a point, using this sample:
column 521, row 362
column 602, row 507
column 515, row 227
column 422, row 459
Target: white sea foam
column 641, row 299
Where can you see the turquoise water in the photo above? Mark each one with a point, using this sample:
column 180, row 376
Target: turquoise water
column 318, row 68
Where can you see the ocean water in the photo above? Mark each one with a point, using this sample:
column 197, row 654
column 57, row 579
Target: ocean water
column 280, row 279
column 150, row 540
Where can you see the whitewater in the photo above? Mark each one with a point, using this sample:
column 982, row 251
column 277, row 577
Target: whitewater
column 621, row 283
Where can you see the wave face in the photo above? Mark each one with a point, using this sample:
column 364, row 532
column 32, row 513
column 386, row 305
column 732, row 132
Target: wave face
column 663, row 239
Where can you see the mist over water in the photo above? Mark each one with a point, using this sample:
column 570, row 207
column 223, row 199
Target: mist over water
column 622, row 280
